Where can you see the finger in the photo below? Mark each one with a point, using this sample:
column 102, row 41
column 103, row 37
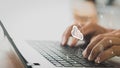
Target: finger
column 66, row 35
column 93, row 28
column 93, row 42
column 102, row 45
column 79, row 23
column 73, row 42
column 117, row 34
column 87, row 28
column 115, row 31
column 109, row 53
column 88, row 49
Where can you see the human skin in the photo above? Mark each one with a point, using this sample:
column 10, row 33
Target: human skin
column 86, row 29
column 85, row 14
column 103, row 47
column 104, row 43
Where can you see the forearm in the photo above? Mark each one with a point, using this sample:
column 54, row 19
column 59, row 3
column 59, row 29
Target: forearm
column 85, row 11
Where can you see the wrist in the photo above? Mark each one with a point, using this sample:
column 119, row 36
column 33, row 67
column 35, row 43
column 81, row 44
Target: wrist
column 101, row 29
column 106, row 30
column 110, row 30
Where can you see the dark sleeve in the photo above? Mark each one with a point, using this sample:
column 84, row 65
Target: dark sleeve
column 110, row 2
column 92, row 1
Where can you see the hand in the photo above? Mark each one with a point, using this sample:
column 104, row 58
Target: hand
column 82, row 17
column 103, row 47
column 86, row 29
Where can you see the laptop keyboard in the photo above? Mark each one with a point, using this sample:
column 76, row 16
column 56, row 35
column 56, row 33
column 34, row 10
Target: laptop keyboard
column 63, row 56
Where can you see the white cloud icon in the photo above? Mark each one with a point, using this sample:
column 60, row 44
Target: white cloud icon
column 76, row 33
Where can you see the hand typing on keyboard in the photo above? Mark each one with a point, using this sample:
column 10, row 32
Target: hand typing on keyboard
column 86, row 29
column 104, row 43
column 103, row 47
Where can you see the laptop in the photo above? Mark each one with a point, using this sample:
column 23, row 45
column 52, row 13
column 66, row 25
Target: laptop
column 50, row 54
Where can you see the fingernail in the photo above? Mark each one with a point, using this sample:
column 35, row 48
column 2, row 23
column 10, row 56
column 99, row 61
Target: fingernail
column 84, row 54
column 97, row 60
column 90, row 58
column 71, row 44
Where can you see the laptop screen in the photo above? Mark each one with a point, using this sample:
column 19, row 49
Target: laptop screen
column 4, row 34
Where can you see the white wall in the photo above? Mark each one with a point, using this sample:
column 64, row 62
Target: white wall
column 36, row 19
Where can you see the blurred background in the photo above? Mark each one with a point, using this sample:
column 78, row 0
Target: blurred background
column 109, row 13
column 47, row 19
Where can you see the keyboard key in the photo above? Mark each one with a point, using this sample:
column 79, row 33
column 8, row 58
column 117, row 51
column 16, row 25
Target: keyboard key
column 60, row 59
column 56, row 57
column 65, row 62
column 74, row 62
column 67, row 65
column 107, row 65
column 76, row 59
column 56, row 63
column 66, row 58
column 80, row 55
column 50, row 59
column 77, row 65
column 70, row 60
